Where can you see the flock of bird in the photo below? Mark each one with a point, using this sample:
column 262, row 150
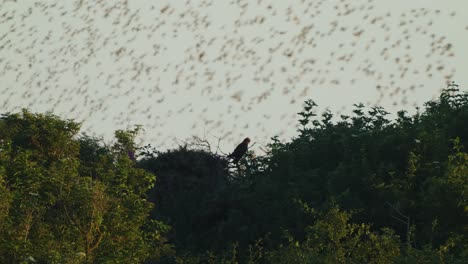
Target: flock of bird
column 223, row 69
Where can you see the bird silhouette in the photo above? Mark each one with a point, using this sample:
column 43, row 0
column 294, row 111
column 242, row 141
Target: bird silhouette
column 240, row 150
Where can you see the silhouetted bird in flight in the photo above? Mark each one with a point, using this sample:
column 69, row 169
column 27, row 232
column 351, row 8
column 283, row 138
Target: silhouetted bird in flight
column 240, row 150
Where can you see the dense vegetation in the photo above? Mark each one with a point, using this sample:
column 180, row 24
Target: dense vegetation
column 361, row 189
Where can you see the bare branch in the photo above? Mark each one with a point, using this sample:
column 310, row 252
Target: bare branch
column 398, row 211
column 252, row 145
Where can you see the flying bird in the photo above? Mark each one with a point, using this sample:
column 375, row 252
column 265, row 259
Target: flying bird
column 240, row 150
column 123, row 58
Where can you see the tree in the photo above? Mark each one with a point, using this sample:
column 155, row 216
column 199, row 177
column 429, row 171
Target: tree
column 66, row 199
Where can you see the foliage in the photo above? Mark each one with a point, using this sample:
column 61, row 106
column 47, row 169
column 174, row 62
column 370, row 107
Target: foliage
column 188, row 191
column 403, row 179
column 66, row 198
column 352, row 189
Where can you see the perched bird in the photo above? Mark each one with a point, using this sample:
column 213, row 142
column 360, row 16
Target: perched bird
column 240, row 150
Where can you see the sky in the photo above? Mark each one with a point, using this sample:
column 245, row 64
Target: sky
column 225, row 70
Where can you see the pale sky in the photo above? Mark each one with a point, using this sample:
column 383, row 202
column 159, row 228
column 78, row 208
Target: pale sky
column 227, row 69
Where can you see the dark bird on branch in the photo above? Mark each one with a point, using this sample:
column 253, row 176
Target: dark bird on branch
column 240, row 150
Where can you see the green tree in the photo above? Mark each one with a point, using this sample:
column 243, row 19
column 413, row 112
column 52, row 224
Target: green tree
column 67, row 199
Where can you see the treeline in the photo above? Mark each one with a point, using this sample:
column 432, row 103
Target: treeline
column 362, row 189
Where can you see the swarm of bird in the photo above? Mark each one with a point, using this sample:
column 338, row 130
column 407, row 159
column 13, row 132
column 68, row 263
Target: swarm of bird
column 181, row 68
